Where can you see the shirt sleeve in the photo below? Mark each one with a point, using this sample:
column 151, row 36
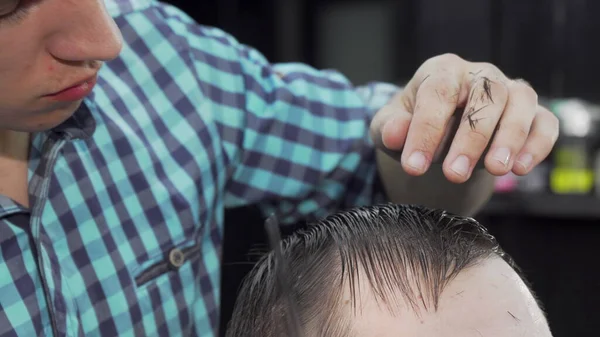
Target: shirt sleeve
column 296, row 139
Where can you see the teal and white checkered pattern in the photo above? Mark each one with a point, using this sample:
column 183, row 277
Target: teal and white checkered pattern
column 184, row 124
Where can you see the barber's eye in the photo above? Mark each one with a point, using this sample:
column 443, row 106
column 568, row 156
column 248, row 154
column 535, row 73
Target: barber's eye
column 8, row 7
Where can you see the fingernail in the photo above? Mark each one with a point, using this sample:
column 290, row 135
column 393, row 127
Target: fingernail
column 525, row 160
column 502, row 155
column 417, row 161
column 461, row 166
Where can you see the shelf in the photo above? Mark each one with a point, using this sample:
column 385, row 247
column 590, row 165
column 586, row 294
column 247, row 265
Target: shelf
column 544, row 205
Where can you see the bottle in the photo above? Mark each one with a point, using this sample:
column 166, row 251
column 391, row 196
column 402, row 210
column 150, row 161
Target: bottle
column 573, row 170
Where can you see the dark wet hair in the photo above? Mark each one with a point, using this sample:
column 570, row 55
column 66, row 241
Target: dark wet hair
column 402, row 250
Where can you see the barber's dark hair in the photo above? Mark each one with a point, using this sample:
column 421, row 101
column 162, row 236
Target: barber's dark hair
column 404, row 250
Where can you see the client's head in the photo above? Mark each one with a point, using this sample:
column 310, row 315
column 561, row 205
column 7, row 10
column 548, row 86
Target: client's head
column 392, row 271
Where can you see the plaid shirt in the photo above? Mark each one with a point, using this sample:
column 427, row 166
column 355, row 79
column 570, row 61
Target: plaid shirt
column 125, row 229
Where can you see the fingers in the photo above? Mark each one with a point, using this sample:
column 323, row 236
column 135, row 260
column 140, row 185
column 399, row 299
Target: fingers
column 435, row 102
column 487, row 99
column 497, row 114
column 390, row 126
column 542, row 137
column 514, row 128
column 523, row 137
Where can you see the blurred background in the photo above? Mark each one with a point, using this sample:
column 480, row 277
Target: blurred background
column 548, row 221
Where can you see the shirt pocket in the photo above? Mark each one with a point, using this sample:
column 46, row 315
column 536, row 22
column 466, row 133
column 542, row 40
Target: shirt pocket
column 168, row 263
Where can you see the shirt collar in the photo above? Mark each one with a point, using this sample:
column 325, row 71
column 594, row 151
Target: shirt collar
column 9, row 207
column 79, row 126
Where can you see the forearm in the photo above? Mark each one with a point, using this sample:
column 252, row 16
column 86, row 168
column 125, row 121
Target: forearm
column 433, row 189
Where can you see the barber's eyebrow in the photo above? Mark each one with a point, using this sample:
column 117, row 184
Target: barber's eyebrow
column 282, row 274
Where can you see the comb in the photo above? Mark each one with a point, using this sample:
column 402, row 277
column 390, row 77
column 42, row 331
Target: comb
column 282, row 275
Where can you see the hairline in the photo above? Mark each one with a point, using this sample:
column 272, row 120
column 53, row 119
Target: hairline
column 344, row 318
column 321, row 238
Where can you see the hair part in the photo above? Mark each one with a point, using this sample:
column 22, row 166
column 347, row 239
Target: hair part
column 405, row 252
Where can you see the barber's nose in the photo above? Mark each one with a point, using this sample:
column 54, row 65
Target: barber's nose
column 84, row 31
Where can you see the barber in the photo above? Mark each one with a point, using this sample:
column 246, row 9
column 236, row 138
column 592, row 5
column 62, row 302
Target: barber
column 126, row 130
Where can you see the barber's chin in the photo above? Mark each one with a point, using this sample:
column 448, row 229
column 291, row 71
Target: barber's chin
column 47, row 120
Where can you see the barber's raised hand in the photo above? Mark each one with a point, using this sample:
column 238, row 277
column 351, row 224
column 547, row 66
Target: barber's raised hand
column 498, row 111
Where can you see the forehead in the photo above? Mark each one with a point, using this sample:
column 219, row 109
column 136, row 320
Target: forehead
column 485, row 300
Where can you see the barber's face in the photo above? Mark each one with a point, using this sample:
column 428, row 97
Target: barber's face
column 47, row 46
column 487, row 300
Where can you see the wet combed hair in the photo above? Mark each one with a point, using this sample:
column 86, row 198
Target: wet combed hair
column 401, row 250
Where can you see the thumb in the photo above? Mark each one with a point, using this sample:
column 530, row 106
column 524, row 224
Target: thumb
column 389, row 129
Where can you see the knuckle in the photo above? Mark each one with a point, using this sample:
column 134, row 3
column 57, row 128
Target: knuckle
column 543, row 136
column 491, row 69
column 521, row 132
column 553, row 129
column 503, row 88
column 520, row 81
column 516, row 132
column 450, row 57
column 449, row 95
column 426, row 142
column 449, row 85
column 525, row 90
column 443, row 59
column 492, row 72
column 443, row 88
column 429, row 135
column 432, row 126
column 477, row 139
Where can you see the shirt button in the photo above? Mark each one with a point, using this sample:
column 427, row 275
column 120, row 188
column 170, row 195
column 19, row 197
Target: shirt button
column 176, row 258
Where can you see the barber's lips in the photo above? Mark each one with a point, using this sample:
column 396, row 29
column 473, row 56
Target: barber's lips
column 76, row 92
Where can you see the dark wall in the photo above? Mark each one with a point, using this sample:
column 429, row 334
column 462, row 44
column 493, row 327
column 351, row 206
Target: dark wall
column 550, row 43
column 252, row 22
